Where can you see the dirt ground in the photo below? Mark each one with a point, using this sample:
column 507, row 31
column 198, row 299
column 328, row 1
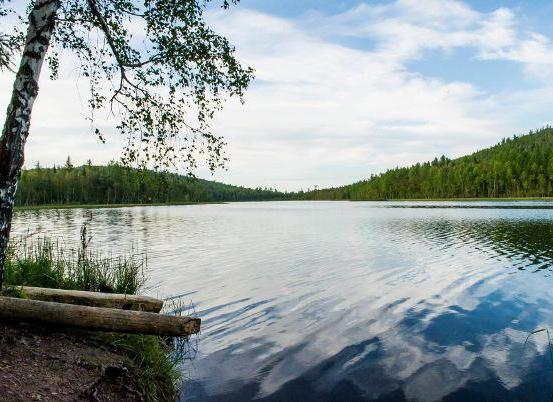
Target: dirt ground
column 44, row 364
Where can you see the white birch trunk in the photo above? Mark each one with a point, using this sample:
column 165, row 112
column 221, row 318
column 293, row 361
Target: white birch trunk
column 18, row 118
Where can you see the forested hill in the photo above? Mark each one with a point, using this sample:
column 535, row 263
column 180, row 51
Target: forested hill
column 516, row 167
column 116, row 184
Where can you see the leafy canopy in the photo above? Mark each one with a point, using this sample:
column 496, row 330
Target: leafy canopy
column 9, row 41
column 157, row 66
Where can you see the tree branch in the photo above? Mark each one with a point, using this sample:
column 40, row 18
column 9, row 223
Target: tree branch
column 111, row 42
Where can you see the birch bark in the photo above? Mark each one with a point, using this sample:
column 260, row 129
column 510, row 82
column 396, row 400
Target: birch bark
column 18, row 118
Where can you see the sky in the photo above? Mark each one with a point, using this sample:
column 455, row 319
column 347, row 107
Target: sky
column 345, row 89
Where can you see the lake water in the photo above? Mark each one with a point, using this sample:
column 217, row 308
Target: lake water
column 347, row 301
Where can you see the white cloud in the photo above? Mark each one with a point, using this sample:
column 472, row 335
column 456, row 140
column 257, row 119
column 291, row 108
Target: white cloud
column 319, row 104
column 404, row 29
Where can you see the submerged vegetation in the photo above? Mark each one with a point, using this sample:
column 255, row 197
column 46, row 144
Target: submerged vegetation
column 45, row 263
column 516, row 167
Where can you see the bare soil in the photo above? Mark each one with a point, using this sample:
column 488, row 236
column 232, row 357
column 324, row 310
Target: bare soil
column 46, row 364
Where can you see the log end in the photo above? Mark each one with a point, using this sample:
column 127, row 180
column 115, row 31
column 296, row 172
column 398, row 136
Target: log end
column 192, row 326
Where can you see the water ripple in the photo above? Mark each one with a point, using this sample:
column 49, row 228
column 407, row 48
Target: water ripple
column 330, row 301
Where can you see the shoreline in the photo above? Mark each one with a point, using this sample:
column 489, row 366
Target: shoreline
column 44, row 363
column 147, row 366
column 169, row 204
column 102, row 206
column 460, row 199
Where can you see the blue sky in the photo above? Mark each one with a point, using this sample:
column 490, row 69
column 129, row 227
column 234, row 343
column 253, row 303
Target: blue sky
column 349, row 88
column 458, row 64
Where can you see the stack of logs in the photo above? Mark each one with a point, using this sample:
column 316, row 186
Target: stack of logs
column 95, row 311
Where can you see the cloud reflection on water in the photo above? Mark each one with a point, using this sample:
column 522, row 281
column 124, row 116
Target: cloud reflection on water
column 348, row 301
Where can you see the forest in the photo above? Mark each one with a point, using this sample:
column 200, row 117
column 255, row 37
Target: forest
column 519, row 166
column 117, row 184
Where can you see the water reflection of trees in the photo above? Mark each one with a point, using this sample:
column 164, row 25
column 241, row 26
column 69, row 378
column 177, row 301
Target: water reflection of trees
column 524, row 243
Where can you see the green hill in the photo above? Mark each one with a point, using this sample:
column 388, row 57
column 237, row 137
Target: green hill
column 116, row 184
column 516, row 167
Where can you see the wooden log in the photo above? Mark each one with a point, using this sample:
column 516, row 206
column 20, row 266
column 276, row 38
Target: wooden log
column 94, row 299
column 97, row 318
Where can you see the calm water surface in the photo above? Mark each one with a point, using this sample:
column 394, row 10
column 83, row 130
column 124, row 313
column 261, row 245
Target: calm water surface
column 340, row 301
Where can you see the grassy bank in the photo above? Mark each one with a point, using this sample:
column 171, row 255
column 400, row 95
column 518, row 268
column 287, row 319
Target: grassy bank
column 44, row 263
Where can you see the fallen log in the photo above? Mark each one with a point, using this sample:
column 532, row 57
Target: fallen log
column 97, row 318
column 94, row 299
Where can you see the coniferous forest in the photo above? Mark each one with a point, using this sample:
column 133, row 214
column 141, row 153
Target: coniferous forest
column 116, row 184
column 519, row 166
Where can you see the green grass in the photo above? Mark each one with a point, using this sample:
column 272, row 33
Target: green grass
column 45, row 263
column 156, row 362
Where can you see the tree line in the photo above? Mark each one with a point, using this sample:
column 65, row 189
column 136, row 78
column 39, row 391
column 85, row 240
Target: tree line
column 117, row 184
column 519, row 166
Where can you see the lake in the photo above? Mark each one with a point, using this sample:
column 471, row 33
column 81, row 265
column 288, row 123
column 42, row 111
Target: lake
column 347, row 301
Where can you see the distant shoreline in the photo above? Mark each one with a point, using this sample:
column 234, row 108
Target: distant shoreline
column 464, row 199
column 99, row 206
column 168, row 204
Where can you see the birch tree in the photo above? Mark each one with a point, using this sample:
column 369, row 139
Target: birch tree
column 155, row 64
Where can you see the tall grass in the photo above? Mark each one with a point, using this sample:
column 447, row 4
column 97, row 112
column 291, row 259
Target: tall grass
column 46, row 263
